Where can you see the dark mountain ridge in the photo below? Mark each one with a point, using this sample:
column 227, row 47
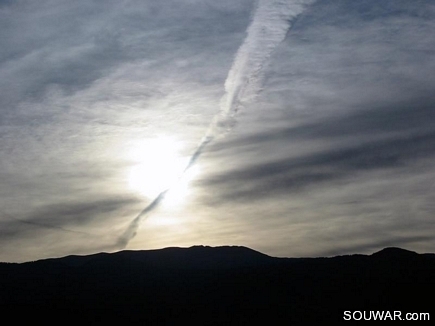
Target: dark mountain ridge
column 216, row 285
column 194, row 257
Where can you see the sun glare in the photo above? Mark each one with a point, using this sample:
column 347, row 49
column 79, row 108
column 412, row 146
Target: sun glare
column 159, row 167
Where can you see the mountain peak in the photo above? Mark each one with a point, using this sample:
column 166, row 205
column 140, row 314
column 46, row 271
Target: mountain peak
column 394, row 253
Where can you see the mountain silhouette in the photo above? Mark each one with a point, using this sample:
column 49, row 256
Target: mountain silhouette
column 215, row 286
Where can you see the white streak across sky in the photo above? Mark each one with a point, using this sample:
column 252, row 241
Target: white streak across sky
column 269, row 26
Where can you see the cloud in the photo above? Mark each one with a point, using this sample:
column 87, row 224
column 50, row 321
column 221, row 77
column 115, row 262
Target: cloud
column 384, row 137
column 79, row 227
column 69, row 218
column 72, row 45
column 82, row 84
column 341, row 135
column 270, row 23
column 332, row 150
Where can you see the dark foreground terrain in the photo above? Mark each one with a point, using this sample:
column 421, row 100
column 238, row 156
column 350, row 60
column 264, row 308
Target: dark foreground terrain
column 216, row 286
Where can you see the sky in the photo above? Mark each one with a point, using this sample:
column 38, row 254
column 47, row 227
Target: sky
column 298, row 128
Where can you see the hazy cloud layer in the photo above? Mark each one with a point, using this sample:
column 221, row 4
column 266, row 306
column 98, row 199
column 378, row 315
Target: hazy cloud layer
column 331, row 154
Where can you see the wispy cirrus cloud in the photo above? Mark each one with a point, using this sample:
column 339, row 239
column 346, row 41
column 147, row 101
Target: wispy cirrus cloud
column 330, row 154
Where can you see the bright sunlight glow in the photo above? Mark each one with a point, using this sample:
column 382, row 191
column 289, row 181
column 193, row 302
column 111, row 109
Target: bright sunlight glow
column 158, row 167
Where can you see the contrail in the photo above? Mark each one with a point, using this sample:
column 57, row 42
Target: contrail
column 131, row 230
column 269, row 26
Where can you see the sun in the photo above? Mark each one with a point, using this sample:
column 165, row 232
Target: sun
column 159, row 167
